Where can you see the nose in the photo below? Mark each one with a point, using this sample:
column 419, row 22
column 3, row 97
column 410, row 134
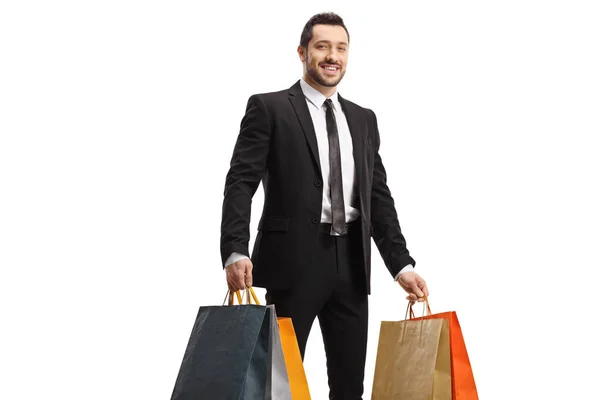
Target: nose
column 332, row 57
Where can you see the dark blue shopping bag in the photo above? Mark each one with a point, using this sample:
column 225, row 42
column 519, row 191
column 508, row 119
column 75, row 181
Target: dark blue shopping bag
column 227, row 356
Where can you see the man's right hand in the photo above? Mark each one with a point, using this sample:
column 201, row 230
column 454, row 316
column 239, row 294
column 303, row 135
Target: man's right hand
column 239, row 275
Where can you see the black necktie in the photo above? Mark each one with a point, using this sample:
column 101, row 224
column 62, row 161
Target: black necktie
column 338, row 211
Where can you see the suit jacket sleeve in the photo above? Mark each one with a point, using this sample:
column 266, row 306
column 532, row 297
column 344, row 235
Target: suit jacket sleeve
column 386, row 230
column 247, row 168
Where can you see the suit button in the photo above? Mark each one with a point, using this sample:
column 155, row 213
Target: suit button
column 315, row 220
column 318, row 183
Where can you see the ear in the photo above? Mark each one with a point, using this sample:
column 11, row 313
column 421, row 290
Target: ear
column 301, row 53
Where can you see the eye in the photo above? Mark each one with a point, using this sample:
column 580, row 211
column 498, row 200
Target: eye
column 341, row 49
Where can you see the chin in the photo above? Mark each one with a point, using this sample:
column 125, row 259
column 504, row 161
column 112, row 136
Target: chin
column 331, row 82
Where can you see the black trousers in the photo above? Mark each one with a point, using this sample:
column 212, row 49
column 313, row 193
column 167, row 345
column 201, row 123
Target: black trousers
column 332, row 290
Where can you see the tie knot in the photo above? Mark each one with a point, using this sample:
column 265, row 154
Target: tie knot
column 329, row 104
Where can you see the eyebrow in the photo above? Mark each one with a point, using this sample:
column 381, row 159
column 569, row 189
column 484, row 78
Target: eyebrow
column 329, row 42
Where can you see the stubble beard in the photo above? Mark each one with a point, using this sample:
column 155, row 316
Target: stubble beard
column 318, row 78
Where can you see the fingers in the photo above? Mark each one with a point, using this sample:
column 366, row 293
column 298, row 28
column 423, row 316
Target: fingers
column 241, row 280
column 414, row 285
column 239, row 275
column 416, row 290
column 248, row 277
column 411, row 297
column 234, row 282
column 247, row 273
column 230, row 284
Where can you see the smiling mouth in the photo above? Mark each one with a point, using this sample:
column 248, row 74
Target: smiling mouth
column 330, row 69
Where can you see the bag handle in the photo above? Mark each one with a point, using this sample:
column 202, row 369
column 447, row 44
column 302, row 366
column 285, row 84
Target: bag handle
column 249, row 291
column 410, row 312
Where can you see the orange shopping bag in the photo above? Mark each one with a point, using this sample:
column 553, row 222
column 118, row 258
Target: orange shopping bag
column 293, row 360
column 463, row 381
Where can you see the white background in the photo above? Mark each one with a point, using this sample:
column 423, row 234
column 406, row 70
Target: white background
column 117, row 122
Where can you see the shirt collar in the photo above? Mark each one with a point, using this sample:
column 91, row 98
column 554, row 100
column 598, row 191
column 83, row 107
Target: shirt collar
column 316, row 98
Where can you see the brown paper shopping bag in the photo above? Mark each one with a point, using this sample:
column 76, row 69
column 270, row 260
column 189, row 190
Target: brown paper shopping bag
column 413, row 361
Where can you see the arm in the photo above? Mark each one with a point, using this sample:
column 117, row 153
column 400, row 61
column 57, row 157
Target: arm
column 247, row 167
column 384, row 219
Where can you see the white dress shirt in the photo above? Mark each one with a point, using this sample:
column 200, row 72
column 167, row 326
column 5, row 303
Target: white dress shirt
column 316, row 105
column 315, row 101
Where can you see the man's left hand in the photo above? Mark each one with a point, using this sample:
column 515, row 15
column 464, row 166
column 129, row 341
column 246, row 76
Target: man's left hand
column 414, row 285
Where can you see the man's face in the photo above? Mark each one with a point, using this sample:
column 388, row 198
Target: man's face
column 327, row 55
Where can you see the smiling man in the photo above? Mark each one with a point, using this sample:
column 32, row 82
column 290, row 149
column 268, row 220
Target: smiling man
column 326, row 195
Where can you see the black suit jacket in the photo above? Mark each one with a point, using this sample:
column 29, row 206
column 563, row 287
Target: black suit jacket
column 277, row 144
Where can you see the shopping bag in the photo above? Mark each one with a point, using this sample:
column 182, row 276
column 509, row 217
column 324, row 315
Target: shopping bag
column 413, row 361
column 229, row 354
column 278, row 384
column 461, row 374
column 293, row 360
column 463, row 380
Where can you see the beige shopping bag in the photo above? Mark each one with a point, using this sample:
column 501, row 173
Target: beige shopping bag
column 413, row 361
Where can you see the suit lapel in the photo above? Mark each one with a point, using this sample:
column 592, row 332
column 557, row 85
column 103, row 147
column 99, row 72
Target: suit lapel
column 296, row 97
column 298, row 101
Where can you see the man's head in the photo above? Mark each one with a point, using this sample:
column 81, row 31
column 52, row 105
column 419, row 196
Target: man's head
column 323, row 50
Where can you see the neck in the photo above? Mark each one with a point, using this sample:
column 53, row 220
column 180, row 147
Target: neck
column 326, row 91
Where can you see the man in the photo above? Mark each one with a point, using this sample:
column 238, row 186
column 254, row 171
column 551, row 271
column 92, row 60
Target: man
column 325, row 197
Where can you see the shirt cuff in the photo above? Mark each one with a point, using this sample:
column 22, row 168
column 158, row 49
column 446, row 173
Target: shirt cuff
column 408, row 268
column 235, row 257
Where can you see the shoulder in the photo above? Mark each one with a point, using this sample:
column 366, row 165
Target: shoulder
column 269, row 100
column 271, row 96
column 358, row 109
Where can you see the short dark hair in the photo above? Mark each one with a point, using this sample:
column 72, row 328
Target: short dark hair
column 327, row 18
